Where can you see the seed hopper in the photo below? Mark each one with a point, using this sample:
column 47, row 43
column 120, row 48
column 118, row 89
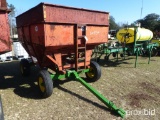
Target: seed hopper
column 62, row 38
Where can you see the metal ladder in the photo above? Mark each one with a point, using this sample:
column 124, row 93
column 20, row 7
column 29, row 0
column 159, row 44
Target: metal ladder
column 80, row 44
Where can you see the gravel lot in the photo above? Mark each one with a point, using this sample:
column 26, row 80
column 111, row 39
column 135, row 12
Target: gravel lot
column 133, row 89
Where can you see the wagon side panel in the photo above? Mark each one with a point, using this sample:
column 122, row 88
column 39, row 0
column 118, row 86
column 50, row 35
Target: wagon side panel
column 5, row 42
column 32, row 39
column 97, row 34
column 37, row 34
column 24, row 37
column 63, row 35
column 62, row 14
column 58, row 35
column 34, row 15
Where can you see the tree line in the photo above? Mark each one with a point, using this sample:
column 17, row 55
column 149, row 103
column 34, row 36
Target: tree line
column 150, row 21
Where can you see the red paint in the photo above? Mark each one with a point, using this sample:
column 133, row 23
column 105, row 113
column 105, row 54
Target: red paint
column 47, row 32
column 5, row 43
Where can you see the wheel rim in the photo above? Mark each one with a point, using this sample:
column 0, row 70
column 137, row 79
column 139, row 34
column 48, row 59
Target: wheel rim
column 91, row 73
column 41, row 84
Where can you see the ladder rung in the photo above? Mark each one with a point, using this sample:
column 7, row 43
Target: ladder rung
column 81, row 47
column 83, row 58
column 80, row 37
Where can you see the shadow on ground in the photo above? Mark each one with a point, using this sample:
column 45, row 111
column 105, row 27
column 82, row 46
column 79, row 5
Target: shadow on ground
column 58, row 84
column 10, row 77
column 113, row 62
column 128, row 60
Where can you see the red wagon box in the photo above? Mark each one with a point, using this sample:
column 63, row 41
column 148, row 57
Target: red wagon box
column 60, row 36
column 5, row 43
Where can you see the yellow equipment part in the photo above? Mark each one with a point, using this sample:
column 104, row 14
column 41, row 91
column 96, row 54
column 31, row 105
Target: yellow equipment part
column 156, row 41
column 127, row 35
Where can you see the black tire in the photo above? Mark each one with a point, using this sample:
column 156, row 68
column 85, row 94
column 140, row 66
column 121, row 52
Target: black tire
column 121, row 55
column 94, row 73
column 98, row 59
column 1, row 110
column 106, row 58
column 159, row 53
column 45, row 83
column 129, row 53
column 114, row 54
column 25, row 67
column 154, row 52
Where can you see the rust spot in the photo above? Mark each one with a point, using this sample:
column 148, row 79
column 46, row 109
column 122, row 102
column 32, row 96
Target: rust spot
column 3, row 41
column 52, row 27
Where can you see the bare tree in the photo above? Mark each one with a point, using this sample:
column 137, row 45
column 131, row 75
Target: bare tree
column 12, row 21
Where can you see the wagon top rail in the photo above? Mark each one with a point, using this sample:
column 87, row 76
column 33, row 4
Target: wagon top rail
column 45, row 12
column 63, row 6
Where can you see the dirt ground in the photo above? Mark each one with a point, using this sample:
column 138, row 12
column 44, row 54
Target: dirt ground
column 136, row 90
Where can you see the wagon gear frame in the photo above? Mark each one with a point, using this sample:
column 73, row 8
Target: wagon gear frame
column 62, row 39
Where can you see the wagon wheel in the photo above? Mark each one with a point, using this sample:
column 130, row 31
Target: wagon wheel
column 25, row 67
column 45, row 83
column 94, row 72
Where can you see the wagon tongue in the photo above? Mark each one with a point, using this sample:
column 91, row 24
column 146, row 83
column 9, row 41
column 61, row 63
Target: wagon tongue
column 121, row 112
column 118, row 111
column 108, row 103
